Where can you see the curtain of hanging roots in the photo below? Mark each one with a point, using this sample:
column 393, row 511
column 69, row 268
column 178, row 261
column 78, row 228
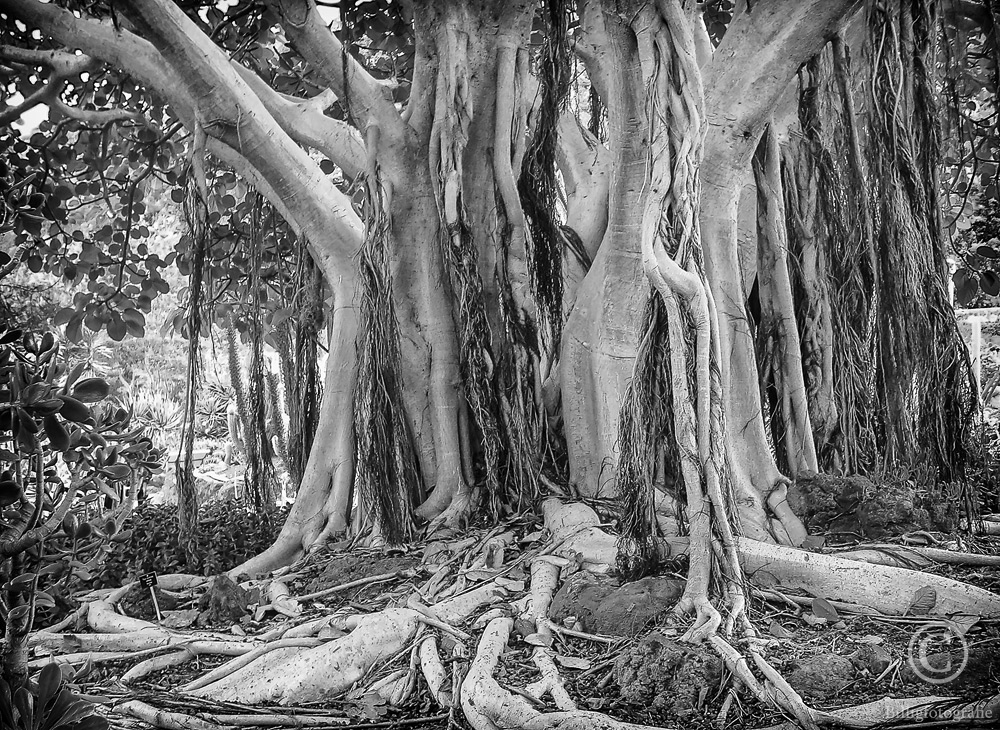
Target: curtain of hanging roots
column 828, row 209
column 196, row 215
column 648, row 452
column 259, row 477
column 387, row 473
column 537, row 182
column 298, row 346
column 678, row 354
column 521, row 261
column 924, row 379
column 449, row 138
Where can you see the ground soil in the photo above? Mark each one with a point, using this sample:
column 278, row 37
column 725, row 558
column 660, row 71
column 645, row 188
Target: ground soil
column 646, row 676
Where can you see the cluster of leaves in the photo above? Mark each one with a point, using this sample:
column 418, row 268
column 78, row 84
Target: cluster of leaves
column 228, row 534
column 977, row 277
column 59, row 448
column 53, row 707
column 969, row 86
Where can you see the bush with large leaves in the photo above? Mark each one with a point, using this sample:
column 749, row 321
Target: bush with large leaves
column 62, row 448
column 53, row 707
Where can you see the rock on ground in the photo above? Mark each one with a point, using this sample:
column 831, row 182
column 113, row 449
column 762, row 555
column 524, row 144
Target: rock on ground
column 223, row 604
column 603, row 607
column 668, row 675
column 821, row 676
column 856, row 505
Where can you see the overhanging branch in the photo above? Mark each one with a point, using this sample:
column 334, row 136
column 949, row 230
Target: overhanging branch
column 318, row 45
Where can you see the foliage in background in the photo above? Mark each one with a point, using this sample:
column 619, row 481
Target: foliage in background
column 61, row 447
column 229, row 533
column 977, row 277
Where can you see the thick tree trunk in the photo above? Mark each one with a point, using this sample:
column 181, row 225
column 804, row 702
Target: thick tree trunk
column 428, row 341
column 778, row 336
column 739, row 97
column 813, row 302
column 322, row 506
column 601, row 337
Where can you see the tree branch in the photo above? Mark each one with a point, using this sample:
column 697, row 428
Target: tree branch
column 229, row 110
column 757, row 59
column 63, row 66
column 32, row 537
column 97, row 117
column 43, row 96
column 318, row 45
column 197, row 80
column 305, row 121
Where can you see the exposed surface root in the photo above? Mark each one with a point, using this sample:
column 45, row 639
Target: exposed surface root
column 413, row 653
column 488, row 706
column 290, row 675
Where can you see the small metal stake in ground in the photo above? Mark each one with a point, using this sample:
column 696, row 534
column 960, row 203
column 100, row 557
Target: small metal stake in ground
column 148, row 580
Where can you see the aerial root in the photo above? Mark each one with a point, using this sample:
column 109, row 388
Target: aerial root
column 434, row 672
column 544, row 581
column 162, row 718
column 156, row 663
column 488, row 706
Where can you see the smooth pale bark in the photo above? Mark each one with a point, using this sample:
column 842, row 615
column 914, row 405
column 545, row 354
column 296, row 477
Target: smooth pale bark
column 779, row 333
column 428, row 342
column 816, row 326
column 758, row 57
column 585, row 166
column 322, row 505
column 602, row 333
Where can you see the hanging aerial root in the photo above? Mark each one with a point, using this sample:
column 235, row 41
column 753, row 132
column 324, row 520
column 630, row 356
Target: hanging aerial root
column 387, row 473
column 488, row 706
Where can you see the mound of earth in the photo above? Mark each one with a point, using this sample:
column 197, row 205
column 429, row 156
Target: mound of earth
column 821, row 675
column 666, row 674
column 342, row 569
column 138, row 603
column 603, row 607
column 855, row 505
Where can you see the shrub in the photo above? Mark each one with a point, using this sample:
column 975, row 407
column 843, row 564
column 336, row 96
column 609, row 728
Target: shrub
column 53, row 706
column 228, row 534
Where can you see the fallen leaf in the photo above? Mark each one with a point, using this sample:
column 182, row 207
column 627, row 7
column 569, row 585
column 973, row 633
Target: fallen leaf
column 880, row 660
column 814, row 542
column 923, row 601
column 779, row 631
column 287, row 607
column 179, row 619
column 764, row 579
column 813, row 620
column 870, row 639
column 514, row 586
column 963, row 622
column 573, row 662
column 538, row 639
column 533, row 536
column 824, row 609
column 479, row 575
